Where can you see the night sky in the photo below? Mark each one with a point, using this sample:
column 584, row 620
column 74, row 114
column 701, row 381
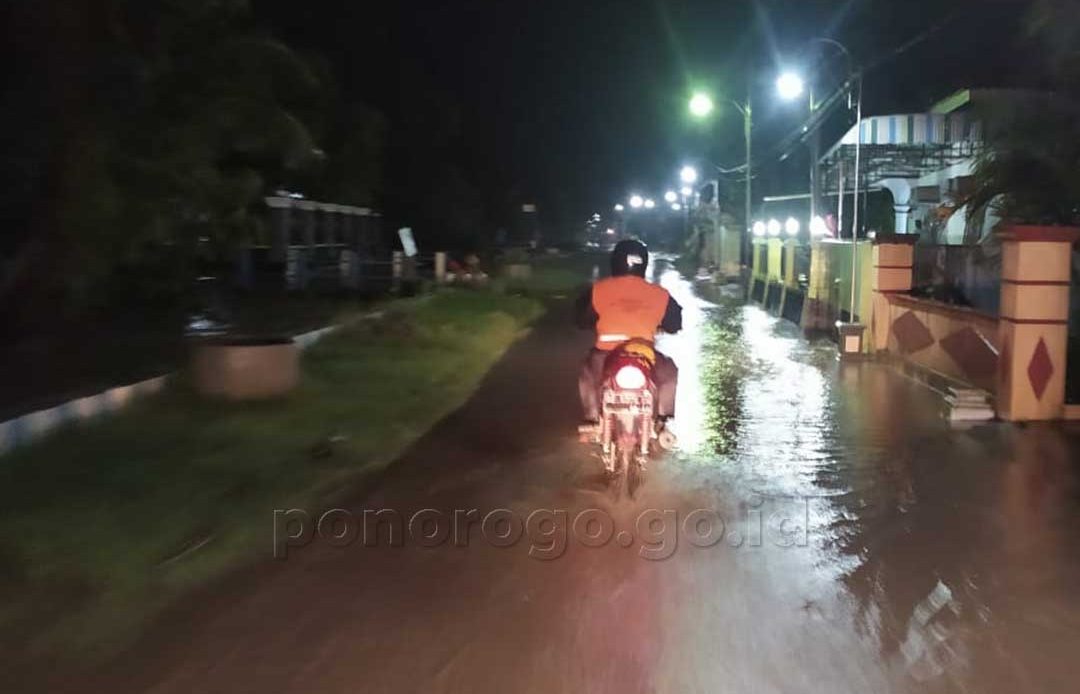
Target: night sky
column 576, row 103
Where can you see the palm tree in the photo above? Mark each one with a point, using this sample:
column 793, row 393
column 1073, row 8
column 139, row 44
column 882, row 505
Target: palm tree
column 1029, row 170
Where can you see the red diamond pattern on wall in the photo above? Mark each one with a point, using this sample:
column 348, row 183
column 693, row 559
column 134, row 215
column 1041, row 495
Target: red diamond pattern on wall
column 1040, row 369
column 971, row 352
column 911, row 334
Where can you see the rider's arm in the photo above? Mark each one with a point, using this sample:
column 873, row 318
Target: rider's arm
column 672, row 321
column 584, row 314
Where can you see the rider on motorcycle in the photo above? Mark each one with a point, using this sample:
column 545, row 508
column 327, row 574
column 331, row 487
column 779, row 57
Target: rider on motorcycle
column 623, row 307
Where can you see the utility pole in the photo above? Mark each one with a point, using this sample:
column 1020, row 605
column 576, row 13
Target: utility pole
column 855, row 215
column 748, row 123
column 815, row 152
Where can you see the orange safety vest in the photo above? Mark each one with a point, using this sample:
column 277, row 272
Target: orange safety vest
column 627, row 307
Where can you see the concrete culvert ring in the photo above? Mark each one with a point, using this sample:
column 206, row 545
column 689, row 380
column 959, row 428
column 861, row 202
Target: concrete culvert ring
column 245, row 367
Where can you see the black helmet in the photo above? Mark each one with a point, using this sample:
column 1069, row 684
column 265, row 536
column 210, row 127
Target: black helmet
column 629, row 257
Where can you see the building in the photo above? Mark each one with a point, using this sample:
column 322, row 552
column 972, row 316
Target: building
column 924, row 161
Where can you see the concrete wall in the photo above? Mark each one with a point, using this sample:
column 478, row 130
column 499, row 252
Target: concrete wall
column 955, row 341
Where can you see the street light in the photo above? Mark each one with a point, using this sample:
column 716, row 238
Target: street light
column 854, row 85
column 697, row 104
column 790, row 86
column 774, row 227
column 619, row 208
column 688, row 175
column 650, row 203
column 687, row 191
column 636, row 201
column 676, row 207
column 701, row 105
column 671, row 196
column 759, row 228
column 792, row 226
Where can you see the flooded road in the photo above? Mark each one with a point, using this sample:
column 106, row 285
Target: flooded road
column 820, row 529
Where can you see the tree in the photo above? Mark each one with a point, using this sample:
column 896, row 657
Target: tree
column 168, row 119
column 1029, row 170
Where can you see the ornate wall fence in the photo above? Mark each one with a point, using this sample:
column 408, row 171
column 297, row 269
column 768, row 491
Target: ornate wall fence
column 1014, row 345
column 1020, row 355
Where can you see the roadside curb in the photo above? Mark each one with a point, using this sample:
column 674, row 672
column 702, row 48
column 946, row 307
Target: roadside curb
column 33, row 426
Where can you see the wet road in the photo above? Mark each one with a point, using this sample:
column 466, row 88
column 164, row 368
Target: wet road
column 865, row 546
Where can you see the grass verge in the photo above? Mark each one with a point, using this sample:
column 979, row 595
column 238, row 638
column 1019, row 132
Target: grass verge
column 97, row 519
column 554, row 276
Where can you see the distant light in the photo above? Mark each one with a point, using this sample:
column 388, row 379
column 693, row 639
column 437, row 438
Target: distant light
column 774, row 227
column 790, row 86
column 619, row 208
column 610, row 232
column 649, row 204
column 688, row 175
column 759, row 228
column 871, row 235
column 636, row 201
column 818, row 227
column 701, row 105
column 687, row 191
column 671, row 196
column 596, row 215
column 792, row 226
column 676, row 207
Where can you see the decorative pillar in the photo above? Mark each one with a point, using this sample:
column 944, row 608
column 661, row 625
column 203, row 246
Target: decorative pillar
column 440, row 267
column 776, row 250
column 901, row 189
column 902, row 213
column 894, row 257
column 1033, row 328
column 758, row 260
column 789, row 262
column 397, row 269
column 759, row 275
column 815, row 313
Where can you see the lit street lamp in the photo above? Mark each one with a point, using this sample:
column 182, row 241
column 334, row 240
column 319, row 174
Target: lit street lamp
column 619, row 208
column 759, row 228
column 671, row 196
column 687, row 191
column 650, row 203
column 636, row 201
column 676, row 207
column 792, row 226
column 790, row 86
column 701, row 105
column 774, row 227
column 688, row 175
column 854, row 85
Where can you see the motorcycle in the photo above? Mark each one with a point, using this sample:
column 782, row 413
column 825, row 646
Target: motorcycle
column 629, row 427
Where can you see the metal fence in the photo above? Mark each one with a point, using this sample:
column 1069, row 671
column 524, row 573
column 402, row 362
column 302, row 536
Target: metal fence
column 959, row 275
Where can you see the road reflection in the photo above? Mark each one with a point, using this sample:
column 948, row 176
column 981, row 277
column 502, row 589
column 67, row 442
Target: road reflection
column 937, row 559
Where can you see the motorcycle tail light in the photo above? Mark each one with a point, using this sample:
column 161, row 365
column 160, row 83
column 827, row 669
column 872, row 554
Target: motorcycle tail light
column 630, row 378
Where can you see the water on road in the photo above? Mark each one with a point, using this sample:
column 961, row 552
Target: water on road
column 820, row 529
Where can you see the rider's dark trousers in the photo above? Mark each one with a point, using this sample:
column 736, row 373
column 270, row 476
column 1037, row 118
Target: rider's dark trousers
column 665, row 373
